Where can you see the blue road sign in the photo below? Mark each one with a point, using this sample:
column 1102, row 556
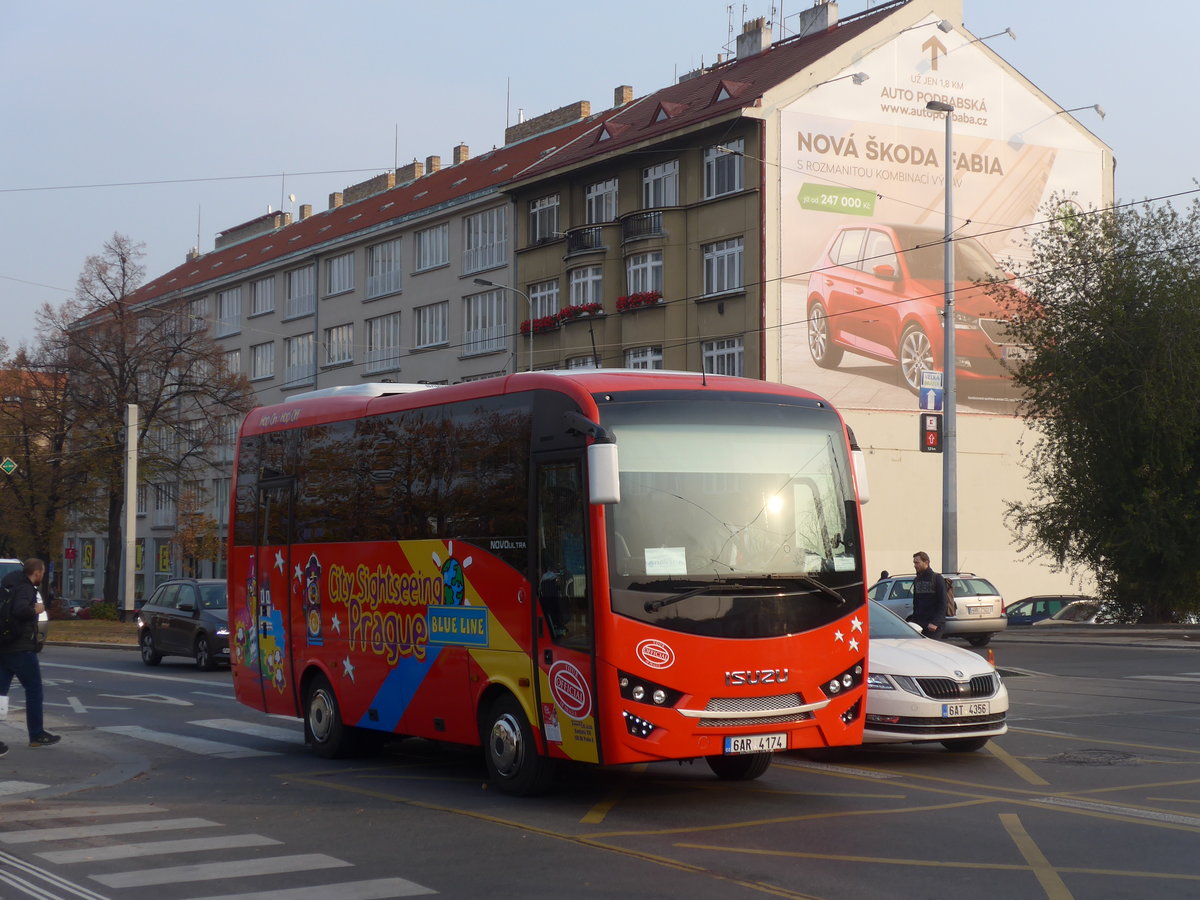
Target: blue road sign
column 931, row 398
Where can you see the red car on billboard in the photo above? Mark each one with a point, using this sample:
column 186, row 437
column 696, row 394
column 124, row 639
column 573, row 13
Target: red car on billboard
column 877, row 290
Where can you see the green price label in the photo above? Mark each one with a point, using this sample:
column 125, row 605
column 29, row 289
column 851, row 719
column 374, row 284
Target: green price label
column 850, row 201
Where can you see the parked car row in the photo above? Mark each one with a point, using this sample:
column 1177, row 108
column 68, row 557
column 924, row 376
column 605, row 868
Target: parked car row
column 980, row 607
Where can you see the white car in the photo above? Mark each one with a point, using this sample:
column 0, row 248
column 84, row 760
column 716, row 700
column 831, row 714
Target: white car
column 921, row 689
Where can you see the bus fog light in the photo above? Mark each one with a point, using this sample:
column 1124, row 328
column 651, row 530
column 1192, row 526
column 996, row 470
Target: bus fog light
column 639, row 692
column 660, row 697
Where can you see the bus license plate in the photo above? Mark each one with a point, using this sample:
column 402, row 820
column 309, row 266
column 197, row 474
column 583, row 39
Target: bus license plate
column 756, row 743
column 954, row 710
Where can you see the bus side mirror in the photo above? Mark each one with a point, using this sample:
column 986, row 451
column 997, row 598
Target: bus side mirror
column 604, row 483
column 860, row 475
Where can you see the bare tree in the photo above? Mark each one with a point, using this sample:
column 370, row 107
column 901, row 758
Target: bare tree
column 124, row 348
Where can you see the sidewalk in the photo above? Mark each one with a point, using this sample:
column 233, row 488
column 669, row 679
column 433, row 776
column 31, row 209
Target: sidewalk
column 1173, row 636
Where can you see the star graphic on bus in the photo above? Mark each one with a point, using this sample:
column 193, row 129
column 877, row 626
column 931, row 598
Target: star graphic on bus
column 853, row 644
column 856, row 624
column 279, row 560
column 348, row 668
column 336, row 623
column 838, row 636
column 299, row 573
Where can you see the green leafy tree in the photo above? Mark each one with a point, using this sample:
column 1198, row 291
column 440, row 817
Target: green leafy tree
column 1110, row 393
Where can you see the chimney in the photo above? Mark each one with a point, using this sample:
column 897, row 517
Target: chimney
column 461, row 154
column 564, row 115
column 305, row 211
column 815, row 20
column 411, row 172
column 621, row 95
column 432, row 164
column 755, row 38
column 335, row 199
column 193, row 253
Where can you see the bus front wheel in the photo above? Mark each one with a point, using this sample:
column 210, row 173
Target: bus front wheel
column 510, row 751
column 323, row 726
column 742, row 767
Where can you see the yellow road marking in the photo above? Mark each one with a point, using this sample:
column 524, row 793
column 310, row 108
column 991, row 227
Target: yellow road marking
column 596, row 814
column 1047, row 876
column 1022, row 770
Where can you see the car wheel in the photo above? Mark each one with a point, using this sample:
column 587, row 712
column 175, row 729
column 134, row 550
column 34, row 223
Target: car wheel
column 979, row 640
column 150, row 656
column 743, row 767
column 513, row 763
column 915, row 356
column 323, row 726
column 205, row 661
column 824, row 352
column 965, row 745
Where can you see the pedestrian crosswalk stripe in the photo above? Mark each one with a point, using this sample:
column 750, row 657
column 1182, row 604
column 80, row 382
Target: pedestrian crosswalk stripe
column 376, row 889
column 74, row 832
column 273, row 732
column 234, row 868
column 200, row 746
column 42, row 813
column 151, row 848
column 19, row 787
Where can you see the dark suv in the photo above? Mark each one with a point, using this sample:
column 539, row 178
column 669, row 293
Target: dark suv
column 186, row 617
column 878, row 290
column 980, row 608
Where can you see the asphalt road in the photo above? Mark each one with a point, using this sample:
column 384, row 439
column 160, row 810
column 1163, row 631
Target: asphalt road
column 166, row 788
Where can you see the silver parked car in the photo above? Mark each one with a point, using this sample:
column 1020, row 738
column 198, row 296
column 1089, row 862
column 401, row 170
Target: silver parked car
column 980, row 606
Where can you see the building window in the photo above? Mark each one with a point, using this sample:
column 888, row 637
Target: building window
column 301, row 299
column 587, row 285
column 198, row 314
column 339, row 345
column 484, row 323
column 227, row 437
column 644, row 358
column 582, row 362
column 660, row 185
column 433, row 247
column 262, row 361
column 644, row 272
column 600, row 202
column 383, row 343
column 142, row 490
column 383, row 269
column 262, row 296
column 229, row 312
column 543, row 297
column 722, row 266
column 298, row 360
column 233, row 362
column 543, row 219
column 723, row 357
column 432, row 325
column 220, row 499
column 485, row 240
column 164, row 505
column 339, row 274
column 723, row 166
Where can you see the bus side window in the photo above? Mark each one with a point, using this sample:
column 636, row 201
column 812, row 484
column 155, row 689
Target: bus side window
column 562, row 555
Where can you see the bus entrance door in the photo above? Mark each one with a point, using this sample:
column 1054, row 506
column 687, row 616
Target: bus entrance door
column 564, row 648
column 271, row 601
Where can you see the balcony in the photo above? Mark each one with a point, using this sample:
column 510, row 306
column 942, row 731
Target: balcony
column 588, row 239
column 642, row 225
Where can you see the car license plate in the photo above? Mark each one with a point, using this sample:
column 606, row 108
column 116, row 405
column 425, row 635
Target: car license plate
column 956, row 710
column 978, row 610
column 756, row 743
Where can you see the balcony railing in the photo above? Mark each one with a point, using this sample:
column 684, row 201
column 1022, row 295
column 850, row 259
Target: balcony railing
column 640, row 225
column 583, row 239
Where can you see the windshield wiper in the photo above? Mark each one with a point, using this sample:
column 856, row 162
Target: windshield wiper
column 656, row 605
column 730, row 587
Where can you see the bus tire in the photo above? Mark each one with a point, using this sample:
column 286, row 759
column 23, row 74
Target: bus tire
column 324, row 729
column 513, row 763
column 742, row 767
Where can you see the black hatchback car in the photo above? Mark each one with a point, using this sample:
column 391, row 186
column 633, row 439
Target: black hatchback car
column 186, row 617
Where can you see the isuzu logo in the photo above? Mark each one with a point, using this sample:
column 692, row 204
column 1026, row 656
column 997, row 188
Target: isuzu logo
column 656, row 654
column 756, row 676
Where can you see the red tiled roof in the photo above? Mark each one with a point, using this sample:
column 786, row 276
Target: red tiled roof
column 696, row 100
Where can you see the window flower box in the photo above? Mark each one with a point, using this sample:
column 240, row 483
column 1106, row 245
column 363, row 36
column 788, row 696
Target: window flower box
column 540, row 325
column 567, row 313
column 638, row 300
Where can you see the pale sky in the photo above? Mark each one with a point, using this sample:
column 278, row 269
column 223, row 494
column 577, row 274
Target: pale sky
column 167, row 121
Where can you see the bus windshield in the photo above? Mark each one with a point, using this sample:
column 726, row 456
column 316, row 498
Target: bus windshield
column 735, row 505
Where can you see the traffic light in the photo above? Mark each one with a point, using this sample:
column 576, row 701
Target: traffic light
column 931, row 432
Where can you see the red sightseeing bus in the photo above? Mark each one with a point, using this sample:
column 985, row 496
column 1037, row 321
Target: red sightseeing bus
column 602, row 566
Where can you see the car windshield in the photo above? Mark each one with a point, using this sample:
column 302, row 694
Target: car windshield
column 212, row 596
column 925, row 257
column 886, row 624
column 1076, row 612
column 751, row 501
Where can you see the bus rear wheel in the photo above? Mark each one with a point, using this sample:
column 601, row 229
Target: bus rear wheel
column 323, row 726
column 509, row 749
column 742, row 767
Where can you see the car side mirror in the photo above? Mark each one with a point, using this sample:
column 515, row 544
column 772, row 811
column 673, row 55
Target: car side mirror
column 914, row 626
column 883, row 270
column 187, row 607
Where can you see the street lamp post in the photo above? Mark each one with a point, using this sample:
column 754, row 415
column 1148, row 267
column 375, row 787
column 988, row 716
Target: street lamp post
column 504, row 287
column 950, row 431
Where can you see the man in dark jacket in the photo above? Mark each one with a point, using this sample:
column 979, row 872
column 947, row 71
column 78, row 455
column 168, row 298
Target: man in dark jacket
column 929, row 597
column 20, row 658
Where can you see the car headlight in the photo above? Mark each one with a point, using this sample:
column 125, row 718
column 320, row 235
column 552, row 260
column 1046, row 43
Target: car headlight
column 223, row 631
column 965, row 321
column 876, row 682
column 141, row 623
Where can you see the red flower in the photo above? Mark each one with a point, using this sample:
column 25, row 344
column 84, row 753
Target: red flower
column 637, row 300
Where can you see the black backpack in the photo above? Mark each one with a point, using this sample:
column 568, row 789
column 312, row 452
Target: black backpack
column 10, row 628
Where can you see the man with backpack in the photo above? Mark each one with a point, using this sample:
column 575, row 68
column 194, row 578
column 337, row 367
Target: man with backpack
column 19, row 657
column 929, row 597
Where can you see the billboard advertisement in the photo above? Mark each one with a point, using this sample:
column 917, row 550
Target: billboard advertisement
column 863, row 174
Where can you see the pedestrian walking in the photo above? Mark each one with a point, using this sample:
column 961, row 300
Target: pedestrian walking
column 20, row 658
